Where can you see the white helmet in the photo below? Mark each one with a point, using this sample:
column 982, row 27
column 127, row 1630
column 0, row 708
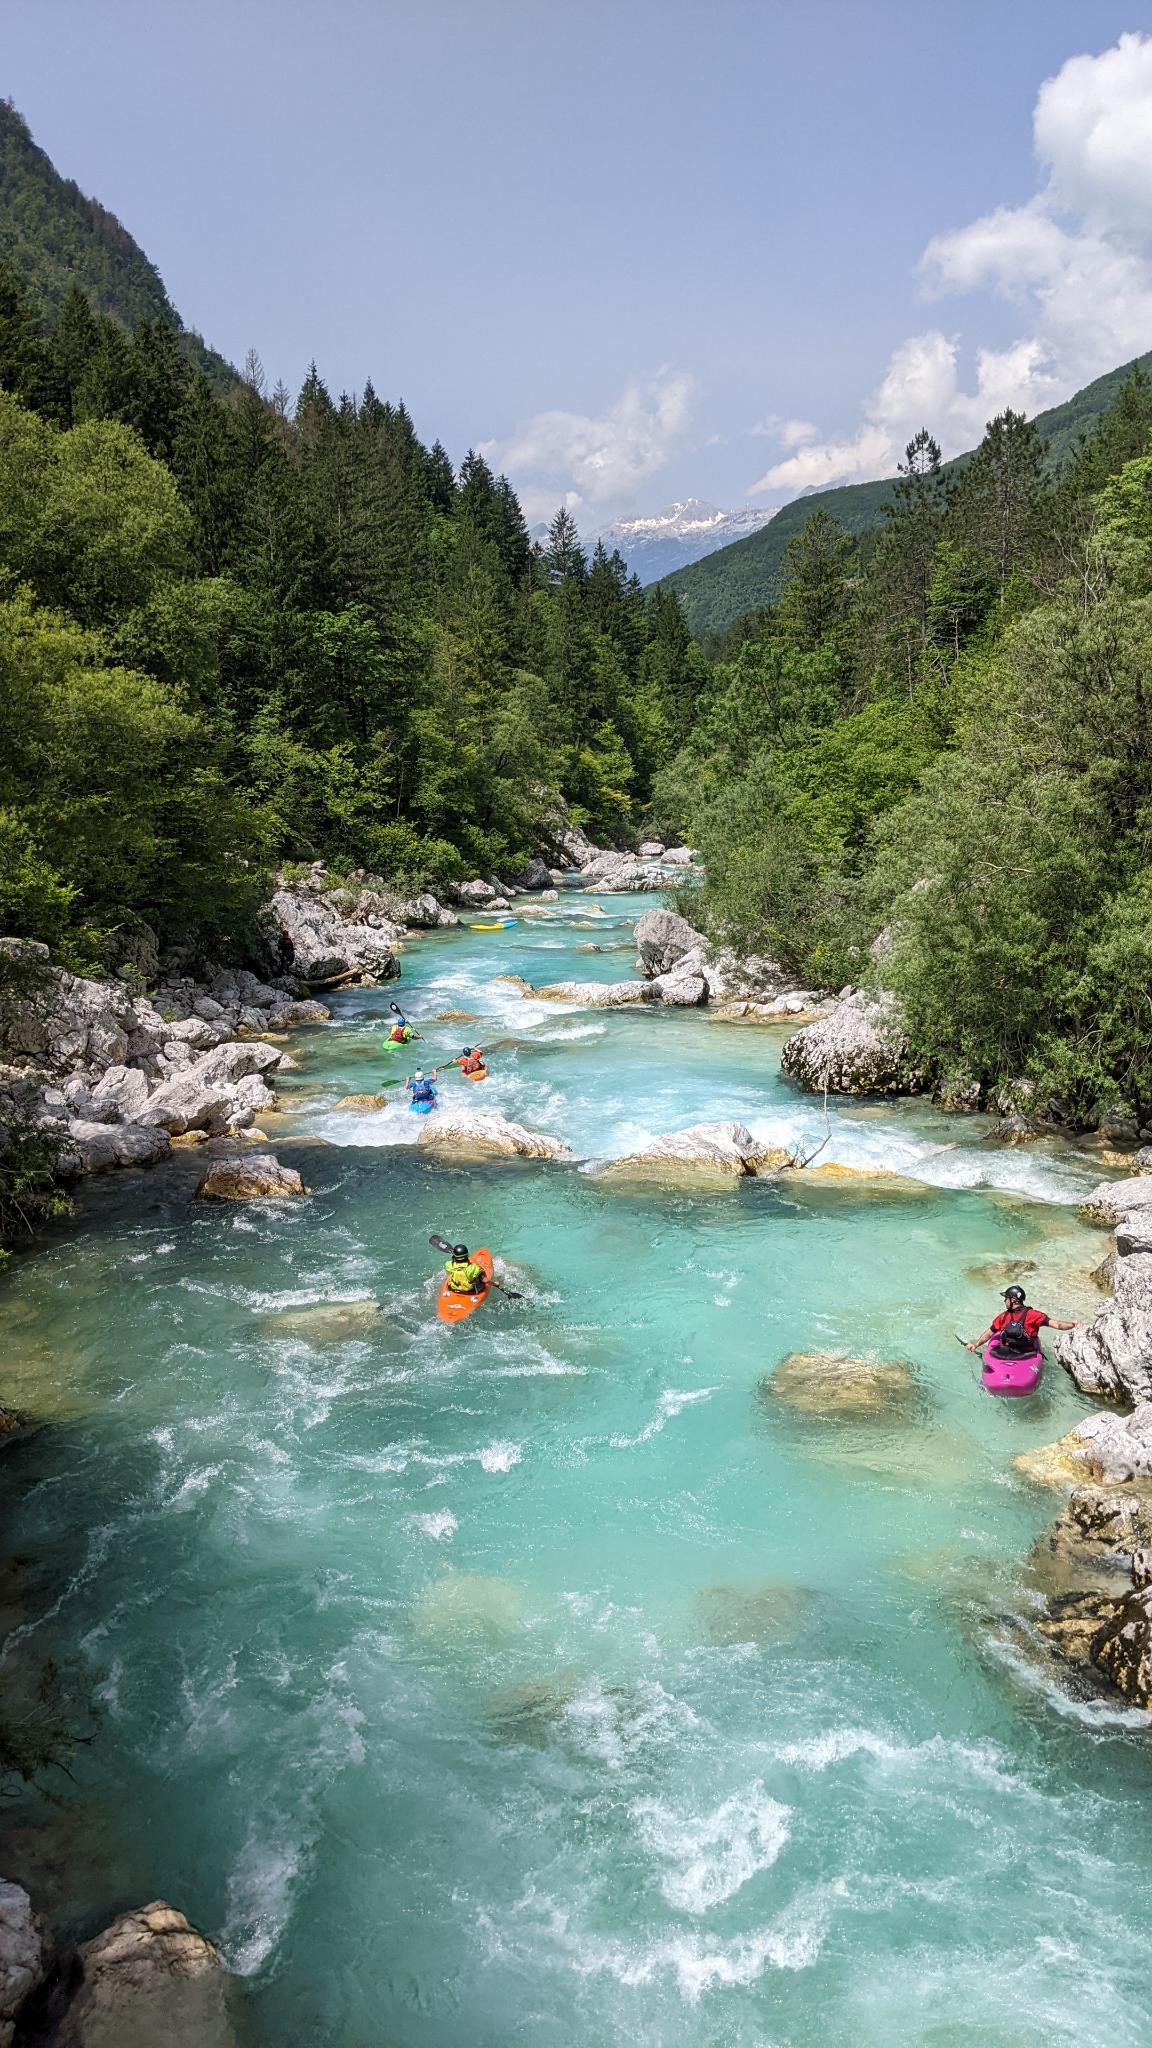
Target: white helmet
column 419, row 1074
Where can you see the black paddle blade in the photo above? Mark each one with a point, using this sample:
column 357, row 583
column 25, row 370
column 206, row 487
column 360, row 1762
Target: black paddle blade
column 440, row 1244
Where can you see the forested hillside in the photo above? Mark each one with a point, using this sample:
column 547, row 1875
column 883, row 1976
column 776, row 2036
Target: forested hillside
column 236, row 629
column 53, row 239
column 950, row 743
column 746, row 575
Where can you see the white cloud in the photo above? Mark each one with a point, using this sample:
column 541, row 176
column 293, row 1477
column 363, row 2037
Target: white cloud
column 1076, row 258
column 790, row 433
column 588, row 462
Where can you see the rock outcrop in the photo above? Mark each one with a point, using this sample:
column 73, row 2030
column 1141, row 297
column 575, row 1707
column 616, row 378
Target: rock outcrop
column 1111, row 1356
column 110, row 1076
column 1122, row 1648
column 22, row 1955
column 1113, row 1450
column 336, row 935
column 723, row 1151
column 149, row 1979
column 1117, row 1202
column 858, row 1049
column 477, row 1134
column 252, row 1178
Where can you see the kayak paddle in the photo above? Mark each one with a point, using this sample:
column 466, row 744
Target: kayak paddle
column 441, row 1244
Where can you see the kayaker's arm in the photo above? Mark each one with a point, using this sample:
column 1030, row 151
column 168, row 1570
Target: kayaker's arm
column 1054, row 1325
column 978, row 1343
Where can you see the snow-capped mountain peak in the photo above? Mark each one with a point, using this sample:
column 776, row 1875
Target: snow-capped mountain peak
column 653, row 544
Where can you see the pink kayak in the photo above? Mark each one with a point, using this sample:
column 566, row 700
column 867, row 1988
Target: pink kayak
column 1005, row 1375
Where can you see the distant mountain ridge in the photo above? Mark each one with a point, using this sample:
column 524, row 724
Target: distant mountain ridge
column 745, row 574
column 52, row 236
column 654, row 544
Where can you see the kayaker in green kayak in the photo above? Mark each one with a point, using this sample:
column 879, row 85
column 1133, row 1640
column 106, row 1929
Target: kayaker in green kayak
column 401, row 1032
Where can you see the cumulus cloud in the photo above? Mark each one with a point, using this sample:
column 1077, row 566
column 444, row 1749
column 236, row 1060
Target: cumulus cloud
column 585, row 461
column 1076, row 259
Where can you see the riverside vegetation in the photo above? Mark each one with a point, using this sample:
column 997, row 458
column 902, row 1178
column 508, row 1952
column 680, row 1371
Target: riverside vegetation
column 930, row 766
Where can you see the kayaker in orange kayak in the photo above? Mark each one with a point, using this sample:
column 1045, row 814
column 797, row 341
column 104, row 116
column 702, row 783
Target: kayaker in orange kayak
column 471, row 1062
column 464, row 1275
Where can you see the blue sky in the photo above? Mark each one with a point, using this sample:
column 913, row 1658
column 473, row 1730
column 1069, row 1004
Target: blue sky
column 640, row 251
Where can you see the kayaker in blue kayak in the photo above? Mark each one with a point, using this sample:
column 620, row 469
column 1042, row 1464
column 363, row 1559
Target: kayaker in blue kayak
column 421, row 1086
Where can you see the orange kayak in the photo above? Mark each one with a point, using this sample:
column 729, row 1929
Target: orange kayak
column 480, row 1074
column 456, row 1308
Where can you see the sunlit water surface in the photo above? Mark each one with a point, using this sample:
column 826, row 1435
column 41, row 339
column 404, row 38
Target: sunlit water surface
column 546, row 1681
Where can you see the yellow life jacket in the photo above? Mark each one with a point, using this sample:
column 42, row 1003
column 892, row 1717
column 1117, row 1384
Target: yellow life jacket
column 464, row 1275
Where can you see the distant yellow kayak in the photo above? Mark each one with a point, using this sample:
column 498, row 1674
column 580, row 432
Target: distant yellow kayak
column 500, row 925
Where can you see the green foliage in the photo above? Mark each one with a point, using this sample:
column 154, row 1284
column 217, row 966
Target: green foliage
column 54, row 239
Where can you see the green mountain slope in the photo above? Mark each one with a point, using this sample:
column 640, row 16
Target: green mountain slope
column 742, row 577
column 53, row 237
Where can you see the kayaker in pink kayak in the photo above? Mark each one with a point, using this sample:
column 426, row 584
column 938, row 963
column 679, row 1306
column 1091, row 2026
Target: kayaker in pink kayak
column 1017, row 1328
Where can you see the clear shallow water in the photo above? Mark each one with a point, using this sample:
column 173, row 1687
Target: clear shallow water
column 544, row 1681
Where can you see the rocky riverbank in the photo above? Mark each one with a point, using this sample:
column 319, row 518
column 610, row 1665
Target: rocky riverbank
column 150, row 1977
column 1093, row 1570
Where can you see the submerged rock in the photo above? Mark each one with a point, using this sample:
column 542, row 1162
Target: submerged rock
column 22, row 1950
column 149, row 1981
column 858, row 1049
column 365, row 1102
column 752, row 1613
column 839, row 1385
column 724, row 1151
column 479, row 1135
column 251, row 1179
column 324, row 1322
column 470, row 1607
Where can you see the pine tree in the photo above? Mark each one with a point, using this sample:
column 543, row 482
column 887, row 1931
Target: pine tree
column 999, row 505
column 819, row 566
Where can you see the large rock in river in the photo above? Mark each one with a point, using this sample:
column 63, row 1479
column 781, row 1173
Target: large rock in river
column 477, row 1134
column 21, row 1955
column 723, row 1151
column 858, row 1049
column 149, row 1981
column 838, row 1385
column 249, row 1179
column 596, row 995
column 662, row 939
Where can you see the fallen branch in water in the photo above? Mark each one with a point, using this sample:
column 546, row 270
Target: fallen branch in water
column 799, row 1162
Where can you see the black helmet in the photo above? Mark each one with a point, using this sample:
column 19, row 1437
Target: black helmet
column 1013, row 1294
column 467, row 1052
column 459, row 1251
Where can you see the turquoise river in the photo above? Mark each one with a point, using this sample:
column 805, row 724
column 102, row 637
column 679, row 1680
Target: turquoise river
column 549, row 1682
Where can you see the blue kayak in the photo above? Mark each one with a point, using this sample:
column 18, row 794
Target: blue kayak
column 493, row 924
column 422, row 1108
